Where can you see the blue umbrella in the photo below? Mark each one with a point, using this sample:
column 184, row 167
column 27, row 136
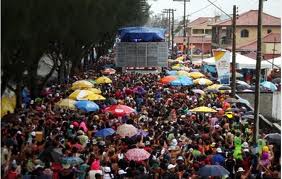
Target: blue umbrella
column 182, row 81
column 176, row 82
column 213, row 170
column 105, row 132
column 173, row 72
column 87, row 106
column 269, row 85
column 72, row 160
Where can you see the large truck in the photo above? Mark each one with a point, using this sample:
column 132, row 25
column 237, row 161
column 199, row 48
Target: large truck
column 141, row 49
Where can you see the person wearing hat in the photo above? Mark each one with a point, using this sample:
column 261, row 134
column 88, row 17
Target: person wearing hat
column 243, row 174
column 170, row 172
column 218, row 158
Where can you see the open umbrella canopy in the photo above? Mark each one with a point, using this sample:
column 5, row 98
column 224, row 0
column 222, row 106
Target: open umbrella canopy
column 137, row 154
column 87, row 106
column 196, row 75
column 232, row 100
column 81, row 84
column 92, row 81
column 126, row 130
column 239, row 82
column 103, row 80
column 94, row 97
column 167, row 79
column 172, row 72
column 274, row 138
column 203, row 81
column 72, row 160
column 214, row 87
column 269, row 85
column 119, row 110
column 182, row 81
column 66, row 104
column 80, row 94
column 224, row 87
column 105, row 132
column 94, row 90
column 109, row 71
column 183, row 73
column 203, row 109
column 213, row 170
column 199, row 91
column 50, row 155
column 276, row 81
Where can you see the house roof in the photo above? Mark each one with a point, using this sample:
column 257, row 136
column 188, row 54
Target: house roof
column 250, row 18
column 193, row 39
column 202, row 21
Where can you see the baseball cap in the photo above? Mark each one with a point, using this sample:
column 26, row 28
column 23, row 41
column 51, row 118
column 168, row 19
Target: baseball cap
column 170, row 166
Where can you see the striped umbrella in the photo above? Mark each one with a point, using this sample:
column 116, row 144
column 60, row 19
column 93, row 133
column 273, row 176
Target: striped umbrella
column 126, row 130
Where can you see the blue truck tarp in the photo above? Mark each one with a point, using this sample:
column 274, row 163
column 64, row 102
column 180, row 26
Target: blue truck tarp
column 141, row 34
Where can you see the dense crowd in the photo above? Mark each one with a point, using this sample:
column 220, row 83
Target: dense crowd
column 38, row 136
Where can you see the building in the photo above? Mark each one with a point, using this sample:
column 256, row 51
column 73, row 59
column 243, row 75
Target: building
column 246, row 29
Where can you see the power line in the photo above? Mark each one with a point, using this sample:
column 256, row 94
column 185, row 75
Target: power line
column 201, row 9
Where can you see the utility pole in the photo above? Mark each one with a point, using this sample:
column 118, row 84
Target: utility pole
column 273, row 52
column 233, row 83
column 172, row 31
column 170, row 15
column 169, row 28
column 258, row 69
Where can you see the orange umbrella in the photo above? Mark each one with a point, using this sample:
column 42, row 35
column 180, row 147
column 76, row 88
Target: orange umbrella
column 168, row 79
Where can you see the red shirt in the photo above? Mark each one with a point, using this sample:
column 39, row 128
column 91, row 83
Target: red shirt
column 12, row 175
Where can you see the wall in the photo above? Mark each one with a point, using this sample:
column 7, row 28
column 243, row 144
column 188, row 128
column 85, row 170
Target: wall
column 270, row 104
column 252, row 34
column 268, row 48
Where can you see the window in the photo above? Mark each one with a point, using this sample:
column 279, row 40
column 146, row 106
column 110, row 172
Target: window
column 244, row 33
column 269, row 31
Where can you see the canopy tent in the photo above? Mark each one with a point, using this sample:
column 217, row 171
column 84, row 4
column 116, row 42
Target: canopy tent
column 276, row 61
column 241, row 61
column 141, row 34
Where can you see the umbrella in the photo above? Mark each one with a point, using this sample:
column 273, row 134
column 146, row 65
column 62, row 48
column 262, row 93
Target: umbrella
column 213, row 170
column 203, row 109
column 95, row 90
column 105, row 132
column 119, row 110
column 249, row 116
column 269, row 85
column 183, row 73
column 214, row 86
column 103, row 80
column 81, row 84
column 276, row 81
column 72, row 160
column 111, row 101
column 92, row 81
column 126, row 130
column 173, row 72
column 239, row 82
column 203, row 81
column 198, row 91
column 137, row 154
column 50, row 155
column 232, row 100
column 224, row 88
column 177, row 67
column 93, row 97
column 109, row 71
column 196, row 75
column 211, row 90
column 66, row 104
column 87, row 106
column 80, row 94
column 274, row 138
column 168, row 79
column 241, row 87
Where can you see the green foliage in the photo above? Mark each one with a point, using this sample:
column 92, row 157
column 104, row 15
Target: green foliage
column 31, row 28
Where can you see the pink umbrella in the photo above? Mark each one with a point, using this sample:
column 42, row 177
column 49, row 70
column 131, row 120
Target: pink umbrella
column 137, row 154
column 126, row 130
column 119, row 110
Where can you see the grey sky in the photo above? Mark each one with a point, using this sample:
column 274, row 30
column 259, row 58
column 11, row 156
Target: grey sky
column 272, row 7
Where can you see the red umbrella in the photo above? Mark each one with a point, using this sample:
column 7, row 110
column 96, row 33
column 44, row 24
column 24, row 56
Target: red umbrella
column 109, row 71
column 168, row 79
column 119, row 110
column 137, row 154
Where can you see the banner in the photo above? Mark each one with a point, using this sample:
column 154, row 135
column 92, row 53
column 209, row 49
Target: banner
column 222, row 62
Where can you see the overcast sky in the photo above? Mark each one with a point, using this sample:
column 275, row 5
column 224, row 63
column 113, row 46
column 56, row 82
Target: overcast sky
column 272, row 7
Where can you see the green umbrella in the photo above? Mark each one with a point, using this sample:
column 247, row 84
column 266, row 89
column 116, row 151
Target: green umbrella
column 92, row 81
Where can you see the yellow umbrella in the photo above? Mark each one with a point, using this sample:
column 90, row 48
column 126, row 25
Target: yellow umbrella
column 183, row 73
column 81, row 84
column 203, row 109
column 94, row 97
column 103, row 79
column 66, row 104
column 177, row 66
column 203, row 81
column 94, row 90
column 7, row 105
column 214, row 87
column 181, row 58
column 80, row 94
column 196, row 75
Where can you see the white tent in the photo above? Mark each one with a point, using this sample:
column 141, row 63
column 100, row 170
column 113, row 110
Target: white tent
column 241, row 61
column 276, row 61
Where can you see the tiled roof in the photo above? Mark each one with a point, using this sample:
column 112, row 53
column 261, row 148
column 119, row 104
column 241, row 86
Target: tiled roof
column 250, row 18
column 202, row 21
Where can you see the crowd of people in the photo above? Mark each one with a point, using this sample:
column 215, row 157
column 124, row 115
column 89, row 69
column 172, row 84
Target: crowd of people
column 37, row 138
